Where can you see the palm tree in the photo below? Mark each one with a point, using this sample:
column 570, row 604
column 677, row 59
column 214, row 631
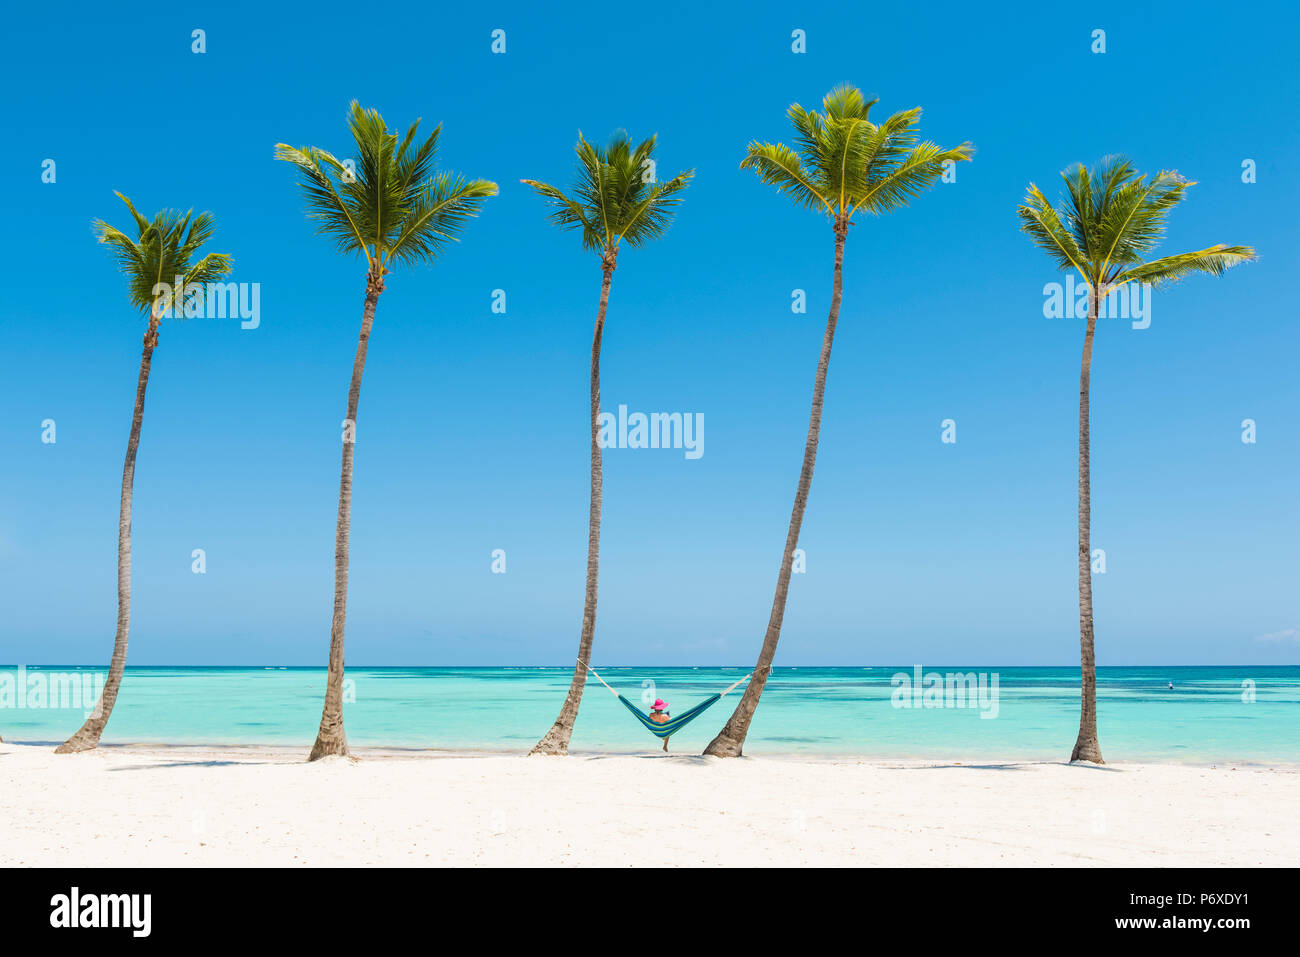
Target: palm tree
column 616, row 199
column 163, row 251
column 391, row 207
column 1111, row 218
column 843, row 164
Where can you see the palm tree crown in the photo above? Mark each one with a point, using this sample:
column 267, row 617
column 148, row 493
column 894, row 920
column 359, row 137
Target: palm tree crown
column 844, row 162
column 389, row 204
column 162, row 250
column 1111, row 217
column 615, row 197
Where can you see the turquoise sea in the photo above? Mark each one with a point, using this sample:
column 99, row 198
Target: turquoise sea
column 1242, row 714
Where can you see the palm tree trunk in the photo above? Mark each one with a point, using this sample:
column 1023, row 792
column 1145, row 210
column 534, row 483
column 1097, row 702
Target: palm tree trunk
column 88, row 736
column 330, row 739
column 731, row 738
column 556, row 740
column 1086, row 748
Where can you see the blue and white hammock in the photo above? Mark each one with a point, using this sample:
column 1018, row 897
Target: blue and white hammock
column 672, row 725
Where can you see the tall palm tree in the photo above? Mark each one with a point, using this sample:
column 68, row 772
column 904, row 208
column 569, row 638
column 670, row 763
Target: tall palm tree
column 1110, row 219
column 843, row 164
column 391, row 207
column 616, row 199
column 164, row 249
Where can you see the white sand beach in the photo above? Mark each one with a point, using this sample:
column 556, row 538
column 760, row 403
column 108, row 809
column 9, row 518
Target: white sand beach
column 151, row 805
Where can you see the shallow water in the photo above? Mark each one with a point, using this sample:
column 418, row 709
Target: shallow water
column 1206, row 717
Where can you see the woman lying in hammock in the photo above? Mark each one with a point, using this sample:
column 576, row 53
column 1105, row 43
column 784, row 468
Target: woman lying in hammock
column 659, row 715
column 659, row 722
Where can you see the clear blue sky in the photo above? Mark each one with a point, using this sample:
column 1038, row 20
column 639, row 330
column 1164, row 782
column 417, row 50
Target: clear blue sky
column 472, row 426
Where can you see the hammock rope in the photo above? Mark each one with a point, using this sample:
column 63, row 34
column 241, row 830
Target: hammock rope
column 672, row 725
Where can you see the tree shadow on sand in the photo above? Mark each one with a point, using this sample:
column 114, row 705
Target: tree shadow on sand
column 654, row 756
column 1021, row 766
column 191, row 764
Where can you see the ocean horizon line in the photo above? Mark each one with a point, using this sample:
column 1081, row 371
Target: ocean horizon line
column 484, row 667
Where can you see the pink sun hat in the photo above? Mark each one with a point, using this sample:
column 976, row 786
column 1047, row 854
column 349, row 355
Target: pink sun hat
column 660, row 705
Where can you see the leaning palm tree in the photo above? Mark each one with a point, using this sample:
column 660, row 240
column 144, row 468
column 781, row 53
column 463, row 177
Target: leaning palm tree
column 389, row 206
column 843, row 164
column 616, row 199
column 163, row 252
column 1111, row 218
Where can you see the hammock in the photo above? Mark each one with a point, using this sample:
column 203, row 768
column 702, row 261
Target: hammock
column 672, row 725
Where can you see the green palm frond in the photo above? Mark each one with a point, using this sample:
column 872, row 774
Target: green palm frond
column 1112, row 173
column 1078, row 208
column 613, row 199
column 846, row 102
column 333, row 217
column 914, row 174
column 1110, row 218
column 778, row 165
column 213, row 267
column 888, row 144
column 436, row 213
column 650, row 218
column 140, row 222
column 810, row 138
column 592, row 186
column 842, row 162
column 387, row 203
column 414, row 163
column 164, row 249
column 1049, row 232
column 1170, row 269
column 198, row 230
column 1134, row 221
column 567, row 213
